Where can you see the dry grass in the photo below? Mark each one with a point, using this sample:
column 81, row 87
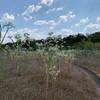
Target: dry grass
column 90, row 59
column 24, row 78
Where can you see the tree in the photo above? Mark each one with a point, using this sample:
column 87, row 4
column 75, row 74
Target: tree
column 7, row 26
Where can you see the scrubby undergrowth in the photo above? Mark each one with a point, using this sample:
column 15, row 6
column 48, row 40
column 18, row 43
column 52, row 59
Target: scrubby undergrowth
column 24, row 78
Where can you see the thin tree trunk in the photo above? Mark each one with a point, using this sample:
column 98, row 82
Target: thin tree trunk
column 4, row 36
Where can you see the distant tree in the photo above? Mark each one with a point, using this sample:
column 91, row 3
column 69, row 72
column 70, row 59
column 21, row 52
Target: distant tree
column 79, row 37
column 95, row 37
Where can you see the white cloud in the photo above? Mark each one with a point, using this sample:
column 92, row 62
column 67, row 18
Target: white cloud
column 97, row 26
column 27, row 17
column 33, row 8
column 33, row 34
column 82, row 22
column 53, row 10
column 98, row 20
column 49, row 23
column 59, row 9
column 7, row 18
column 67, row 31
column 30, row 9
column 65, row 18
column 47, row 2
column 92, row 27
column 87, row 26
column 76, row 25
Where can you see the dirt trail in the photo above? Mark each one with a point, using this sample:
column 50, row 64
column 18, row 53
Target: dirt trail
column 92, row 74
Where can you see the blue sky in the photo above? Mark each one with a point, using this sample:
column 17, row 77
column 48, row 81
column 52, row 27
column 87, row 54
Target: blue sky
column 39, row 17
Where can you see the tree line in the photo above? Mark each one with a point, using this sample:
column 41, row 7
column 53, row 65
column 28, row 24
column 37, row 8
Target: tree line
column 79, row 41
